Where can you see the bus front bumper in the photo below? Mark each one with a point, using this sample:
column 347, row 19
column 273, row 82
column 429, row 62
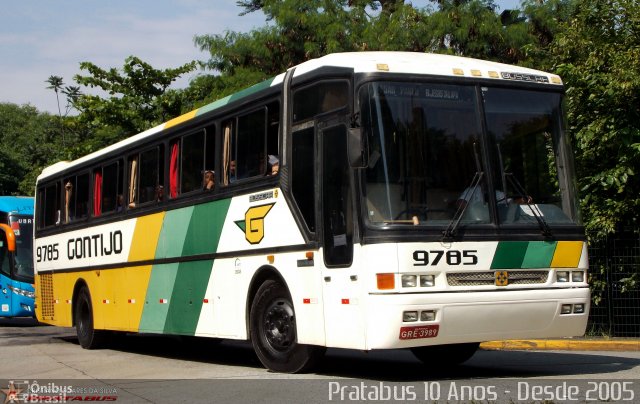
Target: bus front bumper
column 451, row 318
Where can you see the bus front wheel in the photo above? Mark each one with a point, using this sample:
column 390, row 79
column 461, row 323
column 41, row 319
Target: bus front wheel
column 451, row 354
column 88, row 336
column 273, row 332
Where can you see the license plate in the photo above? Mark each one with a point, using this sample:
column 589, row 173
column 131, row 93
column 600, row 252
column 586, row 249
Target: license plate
column 420, row 331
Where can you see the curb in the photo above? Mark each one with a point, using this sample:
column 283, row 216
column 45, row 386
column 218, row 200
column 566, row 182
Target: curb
column 562, row 345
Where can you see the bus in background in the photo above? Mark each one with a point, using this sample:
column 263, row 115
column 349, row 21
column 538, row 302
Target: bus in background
column 16, row 257
column 373, row 200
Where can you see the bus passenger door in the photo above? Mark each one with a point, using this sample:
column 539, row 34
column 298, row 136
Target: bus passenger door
column 342, row 312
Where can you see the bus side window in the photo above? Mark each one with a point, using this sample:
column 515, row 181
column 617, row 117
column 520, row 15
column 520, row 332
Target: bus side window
column 106, row 188
column 193, row 161
column 49, row 205
column 151, row 175
column 248, row 140
column 250, row 145
column 76, row 198
column 110, row 193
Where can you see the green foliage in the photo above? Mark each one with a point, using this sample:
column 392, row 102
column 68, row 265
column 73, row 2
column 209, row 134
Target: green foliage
column 138, row 98
column 597, row 52
column 301, row 30
column 29, row 141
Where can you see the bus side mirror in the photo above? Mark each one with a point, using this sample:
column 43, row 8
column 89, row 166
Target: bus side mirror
column 10, row 236
column 357, row 148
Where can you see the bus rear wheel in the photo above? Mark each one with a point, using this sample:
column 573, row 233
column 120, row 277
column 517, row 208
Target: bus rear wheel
column 273, row 332
column 449, row 355
column 88, row 336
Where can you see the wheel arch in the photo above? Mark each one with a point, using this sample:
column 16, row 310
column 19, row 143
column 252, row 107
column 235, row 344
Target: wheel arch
column 264, row 273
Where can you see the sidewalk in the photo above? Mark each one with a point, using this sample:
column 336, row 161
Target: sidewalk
column 565, row 344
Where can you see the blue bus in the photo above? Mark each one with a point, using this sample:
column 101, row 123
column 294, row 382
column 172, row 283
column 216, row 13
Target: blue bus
column 16, row 257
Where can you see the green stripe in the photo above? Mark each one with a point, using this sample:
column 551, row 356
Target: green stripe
column 236, row 96
column 173, row 233
column 509, row 254
column 186, row 300
column 161, row 286
column 539, row 254
column 205, row 227
column 187, row 231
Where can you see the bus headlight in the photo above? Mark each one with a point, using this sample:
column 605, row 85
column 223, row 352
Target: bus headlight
column 409, row 316
column 428, row 315
column 427, row 281
column 22, row 292
column 577, row 276
column 409, row 281
column 562, row 276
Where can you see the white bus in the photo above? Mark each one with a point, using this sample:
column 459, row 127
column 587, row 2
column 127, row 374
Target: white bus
column 374, row 200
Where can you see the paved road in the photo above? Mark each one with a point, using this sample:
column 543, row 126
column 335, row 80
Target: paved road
column 170, row 369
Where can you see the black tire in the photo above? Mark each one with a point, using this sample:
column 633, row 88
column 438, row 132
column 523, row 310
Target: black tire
column 88, row 336
column 273, row 332
column 445, row 355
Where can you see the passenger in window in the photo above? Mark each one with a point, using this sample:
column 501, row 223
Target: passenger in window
column 209, row 181
column 232, row 170
column 159, row 193
column 119, row 203
column 274, row 165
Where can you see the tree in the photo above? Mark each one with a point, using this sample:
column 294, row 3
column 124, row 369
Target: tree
column 597, row 52
column 28, row 143
column 55, row 83
column 138, row 98
column 300, row 30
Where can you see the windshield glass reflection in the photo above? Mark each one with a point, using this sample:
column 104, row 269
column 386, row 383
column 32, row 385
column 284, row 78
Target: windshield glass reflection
column 426, row 155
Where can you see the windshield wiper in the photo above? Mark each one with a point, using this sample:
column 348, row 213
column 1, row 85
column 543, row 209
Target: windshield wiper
column 450, row 231
column 544, row 226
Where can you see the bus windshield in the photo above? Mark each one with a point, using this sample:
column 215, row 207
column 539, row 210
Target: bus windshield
column 23, row 228
column 437, row 149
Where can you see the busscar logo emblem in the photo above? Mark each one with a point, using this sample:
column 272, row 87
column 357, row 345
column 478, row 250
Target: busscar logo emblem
column 502, row 278
column 253, row 223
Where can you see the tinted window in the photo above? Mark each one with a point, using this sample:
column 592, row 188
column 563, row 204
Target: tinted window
column 302, row 175
column 319, row 98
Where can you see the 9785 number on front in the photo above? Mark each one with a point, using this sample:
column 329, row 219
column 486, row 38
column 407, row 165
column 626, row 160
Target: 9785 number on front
column 423, row 258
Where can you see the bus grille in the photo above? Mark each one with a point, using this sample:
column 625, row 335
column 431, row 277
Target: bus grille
column 46, row 294
column 489, row 278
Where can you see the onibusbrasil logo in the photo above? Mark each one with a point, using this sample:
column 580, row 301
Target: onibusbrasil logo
column 52, row 392
column 11, row 393
column 253, row 223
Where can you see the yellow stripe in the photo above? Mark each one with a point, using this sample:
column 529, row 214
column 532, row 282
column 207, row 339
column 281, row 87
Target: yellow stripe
column 567, row 254
column 180, row 119
column 145, row 237
column 136, row 288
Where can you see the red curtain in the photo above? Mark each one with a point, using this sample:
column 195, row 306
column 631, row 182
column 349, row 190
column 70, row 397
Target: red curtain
column 173, row 172
column 97, row 194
